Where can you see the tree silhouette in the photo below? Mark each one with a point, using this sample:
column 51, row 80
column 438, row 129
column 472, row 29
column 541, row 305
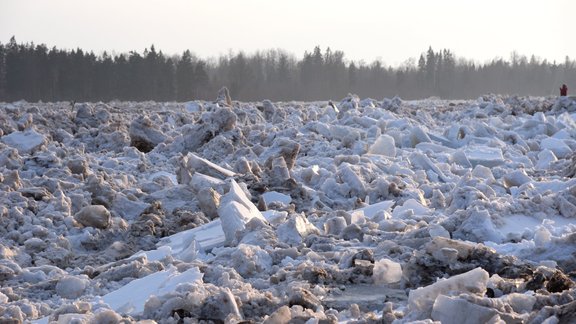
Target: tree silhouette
column 2, row 71
column 184, row 77
column 34, row 72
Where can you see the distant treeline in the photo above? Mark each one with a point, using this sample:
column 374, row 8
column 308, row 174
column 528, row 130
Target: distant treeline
column 36, row 72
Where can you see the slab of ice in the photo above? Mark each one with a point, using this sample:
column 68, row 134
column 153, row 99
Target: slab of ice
column 484, row 155
column 435, row 230
column 169, row 175
column 478, row 227
column 422, row 161
column 409, row 208
column 460, row 158
column 202, row 165
column 154, row 255
column 454, row 310
column 206, row 237
column 126, row 208
column 250, row 259
column 521, row 303
column 418, row 135
column 193, row 106
column 557, row 146
column 346, row 134
column 274, row 216
column 194, row 241
column 371, row 210
column 386, row 271
column 516, row 178
column 442, row 140
column 174, row 197
column 484, row 173
column 25, row 142
column 274, row 196
column 562, row 134
column 552, row 185
column 545, row 158
column 354, row 182
column 295, row 229
column 235, row 211
column 432, row 147
column 201, row 181
column 130, row 299
column 473, row 281
column 384, row 145
column 440, row 245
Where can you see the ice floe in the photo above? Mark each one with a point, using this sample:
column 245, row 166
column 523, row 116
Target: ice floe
column 358, row 211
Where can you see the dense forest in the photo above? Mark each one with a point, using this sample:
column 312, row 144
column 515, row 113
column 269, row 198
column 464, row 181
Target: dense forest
column 35, row 72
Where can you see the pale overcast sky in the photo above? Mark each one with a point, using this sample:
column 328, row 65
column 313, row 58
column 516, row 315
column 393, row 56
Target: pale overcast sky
column 392, row 31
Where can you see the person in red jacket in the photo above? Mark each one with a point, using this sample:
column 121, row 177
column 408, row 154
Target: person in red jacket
column 564, row 90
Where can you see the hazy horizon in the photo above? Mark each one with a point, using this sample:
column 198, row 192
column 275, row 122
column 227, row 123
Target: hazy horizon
column 391, row 32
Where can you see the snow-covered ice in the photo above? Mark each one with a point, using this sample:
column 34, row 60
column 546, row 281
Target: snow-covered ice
column 363, row 211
